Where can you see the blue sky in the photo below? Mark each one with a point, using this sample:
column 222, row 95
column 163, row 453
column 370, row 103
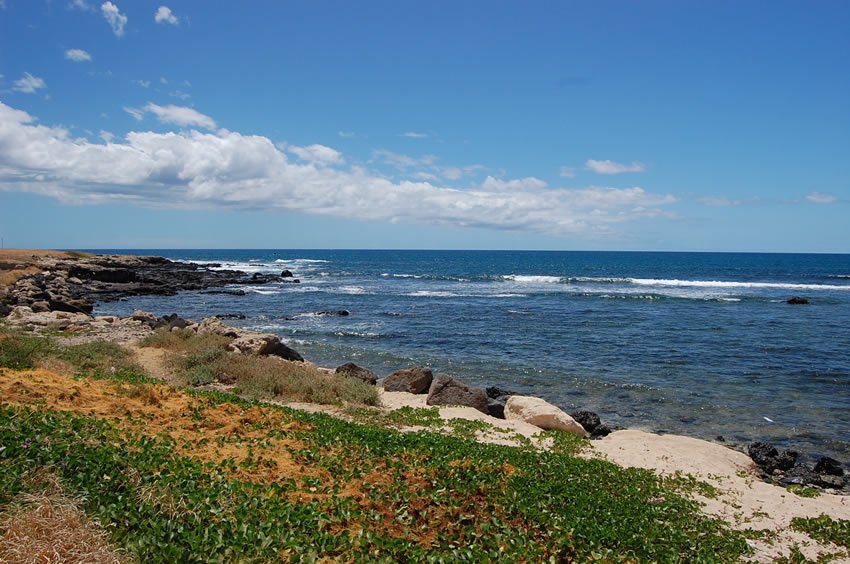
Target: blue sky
column 517, row 125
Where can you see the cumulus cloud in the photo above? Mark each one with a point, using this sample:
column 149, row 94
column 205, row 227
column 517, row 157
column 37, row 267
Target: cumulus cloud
column 114, row 17
column 821, row 198
column 319, row 154
column 29, row 84
column 226, row 168
column 164, row 15
column 176, row 115
column 568, row 172
column 77, row 55
column 610, row 167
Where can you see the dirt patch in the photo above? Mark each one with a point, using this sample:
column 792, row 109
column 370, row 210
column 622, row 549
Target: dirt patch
column 154, row 362
column 201, row 429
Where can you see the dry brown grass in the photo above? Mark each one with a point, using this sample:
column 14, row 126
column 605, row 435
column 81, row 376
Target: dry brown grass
column 10, row 276
column 48, row 526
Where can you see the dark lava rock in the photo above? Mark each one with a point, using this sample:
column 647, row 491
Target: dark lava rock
column 587, row 419
column 445, row 390
column 601, row 431
column 720, row 439
column 280, row 350
column 260, row 278
column 4, row 310
column 496, row 400
column 830, row 466
column 353, row 371
column 226, row 292
column 73, row 306
column 769, row 459
column 797, row 300
column 231, row 316
column 495, row 393
column 293, row 281
column 286, row 274
column 103, row 272
column 411, row 380
column 338, row 313
column 496, row 407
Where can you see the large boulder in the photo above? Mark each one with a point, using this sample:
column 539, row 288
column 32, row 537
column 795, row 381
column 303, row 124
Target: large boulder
column 351, row 370
column 541, row 413
column 411, row 380
column 797, row 300
column 445, row 390
column 496, row 399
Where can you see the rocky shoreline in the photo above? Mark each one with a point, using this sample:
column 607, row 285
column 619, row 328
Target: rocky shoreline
column 63, row 290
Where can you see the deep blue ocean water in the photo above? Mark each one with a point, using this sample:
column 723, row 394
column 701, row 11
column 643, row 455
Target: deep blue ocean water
column 701, row 344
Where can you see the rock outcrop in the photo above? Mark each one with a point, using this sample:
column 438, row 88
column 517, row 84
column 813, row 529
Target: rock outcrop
column 445, row 390
column 541, row 413
column 591, row 423
column 74, row 283
column 411, row 380
column 797, row 300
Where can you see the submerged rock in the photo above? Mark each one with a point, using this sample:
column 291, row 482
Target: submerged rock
column 338, row 313
column 353, row 371
column 445, row 390
column 541, row 413
column 411, row 380
column 797, row 300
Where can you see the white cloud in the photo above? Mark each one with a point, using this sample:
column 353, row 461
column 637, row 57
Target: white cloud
column 143, row 83
column 415, row 135
column 180, row 94
column 821, row 198
column 107, row 136
column 568, row 172
column 319, row 154
column 77, row 55
column 177, row 115
column 163, row 15
column 610, row 167
column 28, row 84
column 137, row 113
column 188, row 169
column 81, row 5
column 345, row 133
column 403, row 162
column 114, row 17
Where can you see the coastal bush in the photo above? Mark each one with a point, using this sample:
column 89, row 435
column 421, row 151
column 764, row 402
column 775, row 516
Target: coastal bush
column 20, row 350
column 270, row 378
column 102, row 359
column 203, row 358
column 824, row 529
column 185, row 341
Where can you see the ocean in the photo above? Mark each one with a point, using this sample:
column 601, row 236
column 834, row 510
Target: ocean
column 700, row 344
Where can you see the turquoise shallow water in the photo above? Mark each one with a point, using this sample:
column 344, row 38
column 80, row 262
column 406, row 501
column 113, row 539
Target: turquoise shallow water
column 695, row 343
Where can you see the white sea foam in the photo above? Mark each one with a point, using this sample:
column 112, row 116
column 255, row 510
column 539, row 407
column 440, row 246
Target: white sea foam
column 261, row 291
column 300, row 261
column 433, row 294
column 723, row 284
column 527, row 279
column 352, row 290
column 506, row 295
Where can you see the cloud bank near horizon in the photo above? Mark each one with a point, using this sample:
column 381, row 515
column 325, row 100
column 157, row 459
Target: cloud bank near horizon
column 223, row 168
